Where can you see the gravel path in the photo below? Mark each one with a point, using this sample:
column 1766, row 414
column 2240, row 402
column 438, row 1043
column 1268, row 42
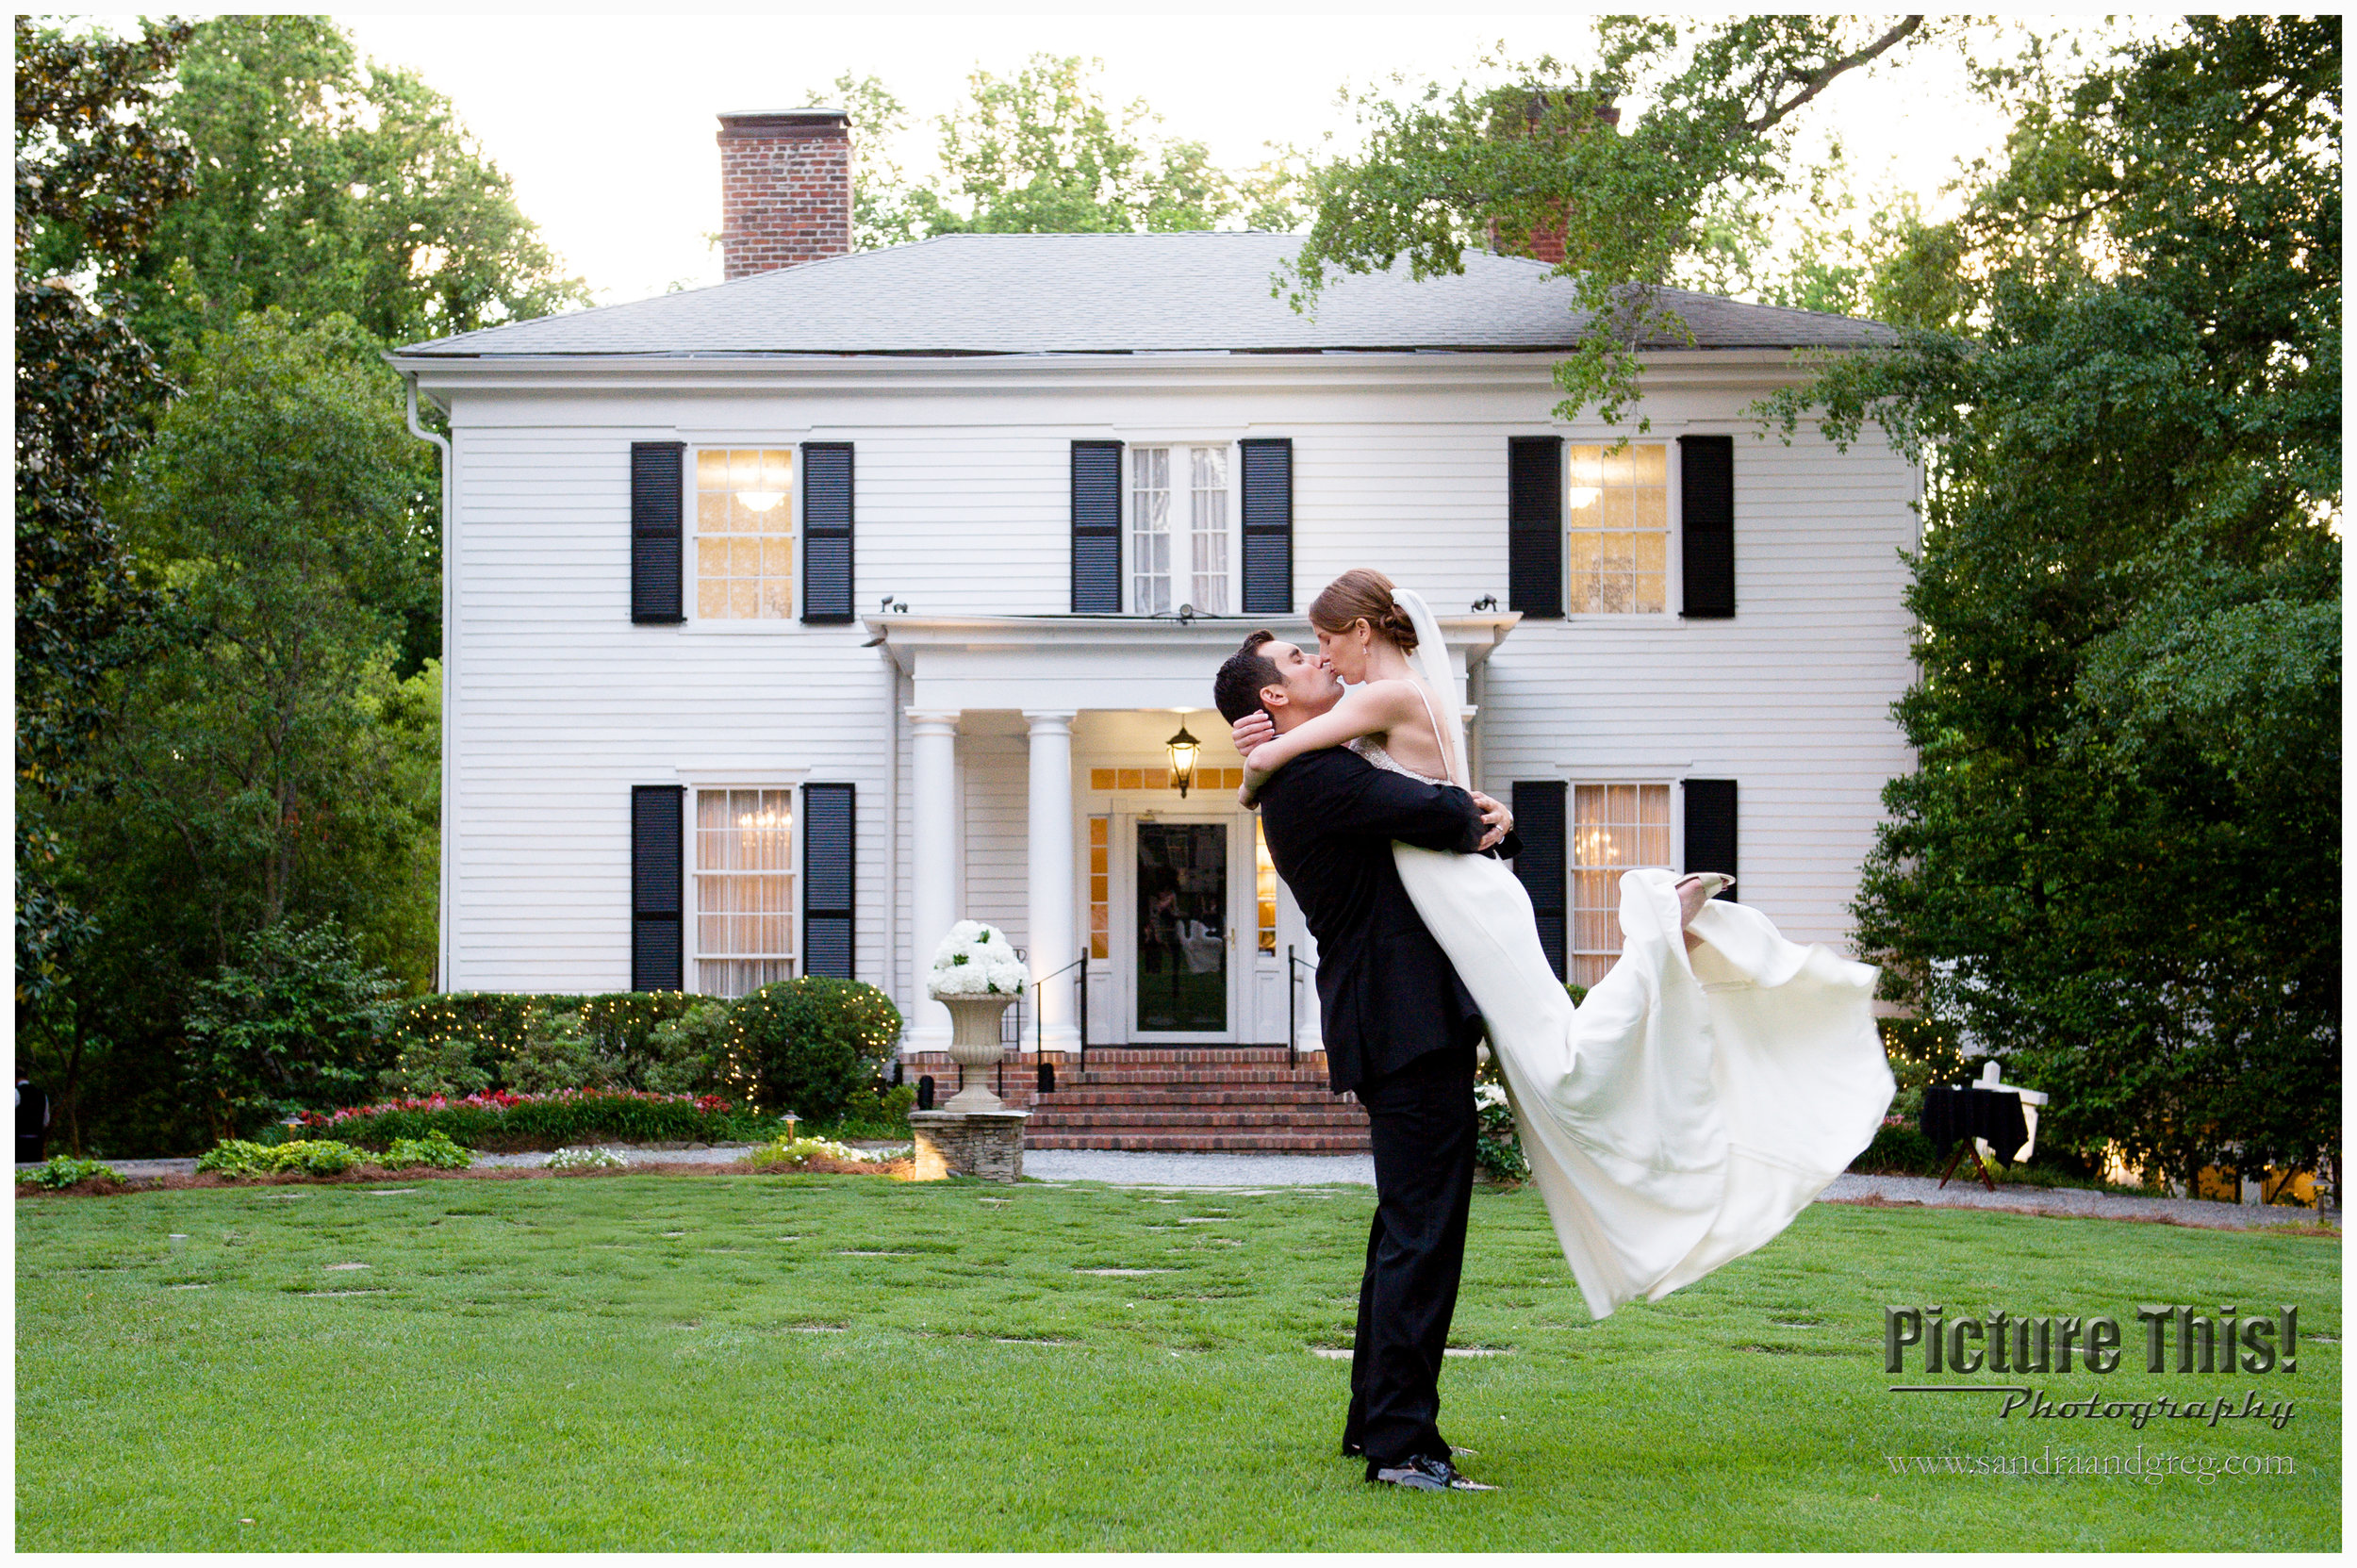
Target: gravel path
column 2065, row 1201
column 1131, row 1169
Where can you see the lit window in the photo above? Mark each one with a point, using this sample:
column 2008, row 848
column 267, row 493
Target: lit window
column 1616, row 507
column 1264, row 889
column 744, row 889
column 1180, row 545
column 744, row 536
column 1615, row 828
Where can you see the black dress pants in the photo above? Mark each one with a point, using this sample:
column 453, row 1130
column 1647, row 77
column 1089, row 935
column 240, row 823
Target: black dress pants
column 1424, row 1127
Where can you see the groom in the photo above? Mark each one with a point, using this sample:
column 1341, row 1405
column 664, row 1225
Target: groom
column 1400, row 1030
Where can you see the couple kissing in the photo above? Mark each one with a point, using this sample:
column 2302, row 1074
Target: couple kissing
column 1704, row 1092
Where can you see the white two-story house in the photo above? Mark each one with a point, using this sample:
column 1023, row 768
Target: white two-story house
column 791, row 620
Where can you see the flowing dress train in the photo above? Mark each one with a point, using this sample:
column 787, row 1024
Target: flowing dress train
column 1696, row 1103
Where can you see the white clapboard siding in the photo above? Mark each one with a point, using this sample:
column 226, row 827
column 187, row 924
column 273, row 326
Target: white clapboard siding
column 1790, row 697
column 560, row 704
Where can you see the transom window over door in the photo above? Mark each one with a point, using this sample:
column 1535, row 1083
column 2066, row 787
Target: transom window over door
column 1181, row 539
column 1616, row 513
column 1615, row 828
column 745, row 535
column 744, row 889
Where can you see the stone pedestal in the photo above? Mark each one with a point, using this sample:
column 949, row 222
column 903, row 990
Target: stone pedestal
column 988, row 1143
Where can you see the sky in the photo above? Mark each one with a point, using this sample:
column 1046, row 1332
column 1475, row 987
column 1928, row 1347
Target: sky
column 605, row 123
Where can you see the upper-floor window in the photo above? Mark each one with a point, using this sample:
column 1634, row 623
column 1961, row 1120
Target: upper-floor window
column 1182, row 538
column 744, row 545
column 1616, row 510
column 744, row 889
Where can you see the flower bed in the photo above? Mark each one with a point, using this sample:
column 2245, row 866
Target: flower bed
column 508, row 1123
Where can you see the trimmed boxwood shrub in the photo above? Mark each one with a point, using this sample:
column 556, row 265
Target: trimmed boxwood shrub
column 465, row 1042
column 815, row 1044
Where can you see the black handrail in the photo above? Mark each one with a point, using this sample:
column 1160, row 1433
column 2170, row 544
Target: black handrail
column 1294, row 966
column 1039, row 1013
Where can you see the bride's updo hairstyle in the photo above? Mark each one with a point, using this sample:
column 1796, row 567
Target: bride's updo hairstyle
column 1362, row 594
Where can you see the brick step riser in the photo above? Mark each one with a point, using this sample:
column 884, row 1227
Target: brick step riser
column 1221, row 1143
column 1135, row 1056
column 1161, row 1094
column 1197, row 1122
column 1194, row 1081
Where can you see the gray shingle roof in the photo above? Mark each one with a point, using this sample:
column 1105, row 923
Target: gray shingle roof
column 1097, row 294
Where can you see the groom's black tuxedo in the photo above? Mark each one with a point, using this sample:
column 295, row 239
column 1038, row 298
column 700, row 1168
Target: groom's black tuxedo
column 1386, row 992
column 1399, row 1030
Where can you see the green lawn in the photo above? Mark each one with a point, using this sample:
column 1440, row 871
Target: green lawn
column 813, row 1363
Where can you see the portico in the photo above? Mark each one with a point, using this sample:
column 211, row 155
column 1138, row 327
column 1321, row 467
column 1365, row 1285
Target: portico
column 1164, row 895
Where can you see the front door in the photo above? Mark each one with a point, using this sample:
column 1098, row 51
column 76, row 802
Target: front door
column 1180, row 926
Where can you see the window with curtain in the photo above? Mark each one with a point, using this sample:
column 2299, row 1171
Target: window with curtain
column 1616, row 511
column 1615, row 828
column 744, row 545
column 744, row 889
column 1181, row 538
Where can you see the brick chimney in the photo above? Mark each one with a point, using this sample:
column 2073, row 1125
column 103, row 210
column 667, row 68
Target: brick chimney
column 1546, row 240
column 785, row 189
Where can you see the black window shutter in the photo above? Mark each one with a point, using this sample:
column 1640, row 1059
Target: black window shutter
column 829, row 874
column 1707, row 526
column 1534, row 525
column 656, row 960
column 826, row 533
column 1097, row 528
column 1710, row 826
column 1268, row 527
column 1538, row 808
column 657, row 477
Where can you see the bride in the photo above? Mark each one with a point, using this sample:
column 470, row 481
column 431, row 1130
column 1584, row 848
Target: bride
column 1705, row 1091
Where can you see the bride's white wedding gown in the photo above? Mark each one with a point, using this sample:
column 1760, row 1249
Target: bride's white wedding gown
column 1694, row 1103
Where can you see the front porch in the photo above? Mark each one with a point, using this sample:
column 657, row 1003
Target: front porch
column 1040, row 796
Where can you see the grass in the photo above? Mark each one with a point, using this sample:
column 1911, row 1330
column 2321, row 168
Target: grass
column 806, row 1362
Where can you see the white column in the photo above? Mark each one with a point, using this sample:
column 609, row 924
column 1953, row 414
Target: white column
column 933, row 864
column 1054, row 926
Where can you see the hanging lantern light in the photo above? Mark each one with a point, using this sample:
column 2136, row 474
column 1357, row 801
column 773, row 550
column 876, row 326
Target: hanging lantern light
column 1184, row 747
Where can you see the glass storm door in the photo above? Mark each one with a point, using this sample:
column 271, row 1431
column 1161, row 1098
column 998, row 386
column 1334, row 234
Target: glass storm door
column 1179, row 982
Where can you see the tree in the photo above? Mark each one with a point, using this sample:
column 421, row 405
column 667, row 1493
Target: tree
column 274, row 772
column 1042, row 151
column 92, row 179
column 1548, row 153
column 2118, row 861
column 325, row 185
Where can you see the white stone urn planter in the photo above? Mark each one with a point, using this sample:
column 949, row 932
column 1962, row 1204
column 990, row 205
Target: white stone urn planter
column 974, row 1023
column 976, row 976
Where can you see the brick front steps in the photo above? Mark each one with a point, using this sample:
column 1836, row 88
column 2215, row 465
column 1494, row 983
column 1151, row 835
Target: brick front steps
column 1191, row 1099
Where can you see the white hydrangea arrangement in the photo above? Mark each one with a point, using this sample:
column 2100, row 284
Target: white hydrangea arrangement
column 975, row 960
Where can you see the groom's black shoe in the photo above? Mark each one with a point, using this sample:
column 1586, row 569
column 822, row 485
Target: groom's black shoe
column 1422, row 1473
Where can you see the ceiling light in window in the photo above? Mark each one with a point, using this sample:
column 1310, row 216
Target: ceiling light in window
column 760, row 501
column 1580, row 497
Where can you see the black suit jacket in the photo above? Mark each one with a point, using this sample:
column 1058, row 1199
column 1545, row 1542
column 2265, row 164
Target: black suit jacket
column 1385, row 989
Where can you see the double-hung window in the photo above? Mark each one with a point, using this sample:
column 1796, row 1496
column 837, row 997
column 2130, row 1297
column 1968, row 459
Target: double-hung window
column 1615, row 828
column 1616, row 513
column 1182, row 547
column 744, row 889
column 744, row 544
